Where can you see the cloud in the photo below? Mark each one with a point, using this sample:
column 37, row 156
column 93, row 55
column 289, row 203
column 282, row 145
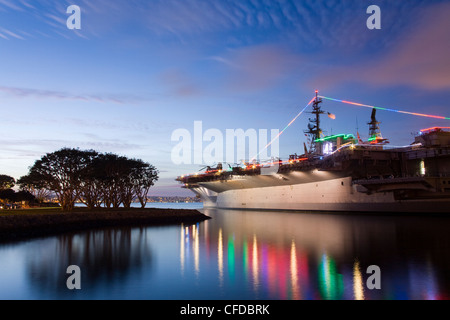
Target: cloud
column 18, row 154
column 7, row 4
column 26, row 151
column 307, row 22
column 61, row 95
column 113, row 144
column 179, row 83
column 191, row 16
column 46, row 17
column 258, row 67
column 223, row 60
column 4, row 32
column 423, row 59
column 420, row 59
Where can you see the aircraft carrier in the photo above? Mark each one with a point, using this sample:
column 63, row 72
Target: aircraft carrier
column 338, row 173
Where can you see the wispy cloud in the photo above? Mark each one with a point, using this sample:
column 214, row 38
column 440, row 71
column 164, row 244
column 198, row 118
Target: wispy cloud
column 223, row 60
column 421, row 60
column 8, row 4
column 179, row 84
column 258, row 67
column 61, row 95
column 10, row 33
column 31, row 18
column 184, row 18
column 191, row 16
column 33, row 147
column 307, row 22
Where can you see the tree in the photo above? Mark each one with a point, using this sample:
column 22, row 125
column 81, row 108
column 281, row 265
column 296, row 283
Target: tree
column 8, row 195
column 60, row 172
column 91, row 187
column 34, row 183
column 143, row 178
column 25, row 196
column 6, row 182
column 90, row 177
column 119, row 172
column 120, row 180
column 111, row 170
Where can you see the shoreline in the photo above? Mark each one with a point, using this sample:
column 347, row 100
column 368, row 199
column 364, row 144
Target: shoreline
column 27, row 224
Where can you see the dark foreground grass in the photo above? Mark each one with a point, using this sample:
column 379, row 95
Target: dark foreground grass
column 31, row 223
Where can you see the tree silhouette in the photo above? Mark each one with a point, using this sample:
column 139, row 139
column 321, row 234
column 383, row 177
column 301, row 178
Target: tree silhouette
column 143, row 178
column 91, row 177
column 60, row 172
column 35, row 184
column 6, row 182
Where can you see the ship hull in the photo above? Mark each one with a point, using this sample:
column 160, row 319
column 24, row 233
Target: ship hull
column 338, row 194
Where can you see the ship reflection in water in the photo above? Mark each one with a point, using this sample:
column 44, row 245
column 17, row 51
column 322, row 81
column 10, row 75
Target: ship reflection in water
column 263, row 255
column 239, row 255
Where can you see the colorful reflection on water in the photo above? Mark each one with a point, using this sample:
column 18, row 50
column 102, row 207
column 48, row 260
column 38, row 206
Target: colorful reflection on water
column 239, row 255
column 306, row 256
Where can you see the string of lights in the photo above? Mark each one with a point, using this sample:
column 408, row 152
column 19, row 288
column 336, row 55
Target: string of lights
column 282, row 131
column 351, row 103
column 386, row 109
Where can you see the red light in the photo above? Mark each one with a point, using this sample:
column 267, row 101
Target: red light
column 434, row 128
column 317, row 91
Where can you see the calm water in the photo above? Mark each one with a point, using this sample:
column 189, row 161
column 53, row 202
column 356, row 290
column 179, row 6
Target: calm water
column 241, row 256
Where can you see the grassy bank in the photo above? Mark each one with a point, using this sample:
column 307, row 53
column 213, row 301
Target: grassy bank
column 30, row 223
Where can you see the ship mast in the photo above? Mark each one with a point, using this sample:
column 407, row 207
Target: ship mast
column 314, row 131
column 374, row 126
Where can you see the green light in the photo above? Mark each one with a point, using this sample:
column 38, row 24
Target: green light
column 344, row 136
column 231, row 262
column 331, row 285
column 245, row 258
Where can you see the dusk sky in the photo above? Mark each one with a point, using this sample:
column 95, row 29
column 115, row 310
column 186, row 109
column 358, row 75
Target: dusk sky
column 138, row 70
